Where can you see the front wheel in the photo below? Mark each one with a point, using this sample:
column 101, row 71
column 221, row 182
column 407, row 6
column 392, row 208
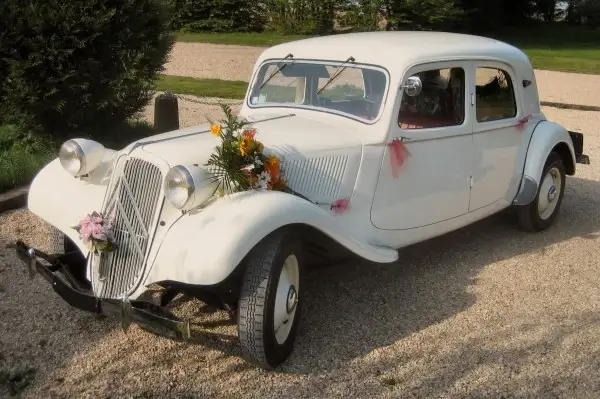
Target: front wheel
column 270, row 300
column 540, row 214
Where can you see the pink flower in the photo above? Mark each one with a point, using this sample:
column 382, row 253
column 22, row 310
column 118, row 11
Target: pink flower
column 98, row 232
column 86, row 232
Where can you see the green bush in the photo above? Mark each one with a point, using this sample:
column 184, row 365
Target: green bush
column 80, row 67
column 218, row 16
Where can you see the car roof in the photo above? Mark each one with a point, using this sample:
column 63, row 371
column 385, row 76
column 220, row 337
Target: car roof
column 398, row 50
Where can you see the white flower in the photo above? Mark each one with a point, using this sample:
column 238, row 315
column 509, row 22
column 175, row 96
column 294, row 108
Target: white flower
column 257, row 161
column 263, row 180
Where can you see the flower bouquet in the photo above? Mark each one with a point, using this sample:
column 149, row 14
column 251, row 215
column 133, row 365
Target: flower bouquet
column 96, row 231
column 239, row 162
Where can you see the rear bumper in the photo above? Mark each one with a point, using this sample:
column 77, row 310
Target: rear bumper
column 146, row 314
column 577, row 139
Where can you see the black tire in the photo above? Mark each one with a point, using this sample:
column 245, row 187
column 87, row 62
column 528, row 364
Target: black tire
column 256, row 310
column 61, row 244
column 529, row 216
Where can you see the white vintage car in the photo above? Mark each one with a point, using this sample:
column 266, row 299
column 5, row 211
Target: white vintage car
column 385, row 139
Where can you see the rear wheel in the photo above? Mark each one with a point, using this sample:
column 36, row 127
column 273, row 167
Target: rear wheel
column 271, row 298
column 543, row 210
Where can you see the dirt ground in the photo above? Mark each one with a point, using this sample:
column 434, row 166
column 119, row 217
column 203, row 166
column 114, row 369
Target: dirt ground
column 484, row 311
column 487, row 311
column 202, row 60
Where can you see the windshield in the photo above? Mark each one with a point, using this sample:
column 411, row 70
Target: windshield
column 357, row 91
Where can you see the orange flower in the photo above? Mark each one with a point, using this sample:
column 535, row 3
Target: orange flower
column 249, row 134
column 215, row 129
column 272, row 166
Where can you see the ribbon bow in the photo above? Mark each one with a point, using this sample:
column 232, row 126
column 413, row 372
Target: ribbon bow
column 523, row 121
column 398, row 155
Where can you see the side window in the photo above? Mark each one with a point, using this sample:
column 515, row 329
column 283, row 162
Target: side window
column 495, row 96
column 441, row 102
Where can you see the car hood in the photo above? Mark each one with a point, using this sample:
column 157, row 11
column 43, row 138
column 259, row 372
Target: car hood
column 287, row 135
column 319, row 160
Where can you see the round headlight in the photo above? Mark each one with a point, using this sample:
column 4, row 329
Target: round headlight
column 179, row 186
column 80, row 156
column 188, row 187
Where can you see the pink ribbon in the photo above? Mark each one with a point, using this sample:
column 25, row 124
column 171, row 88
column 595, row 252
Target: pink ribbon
column 398, row 155
column 523, row 121
column 341, row 205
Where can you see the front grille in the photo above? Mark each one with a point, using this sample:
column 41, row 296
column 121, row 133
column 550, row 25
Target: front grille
column 135, row 198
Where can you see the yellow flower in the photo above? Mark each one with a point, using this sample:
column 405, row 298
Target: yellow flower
column 246, row 146
column 215, row 130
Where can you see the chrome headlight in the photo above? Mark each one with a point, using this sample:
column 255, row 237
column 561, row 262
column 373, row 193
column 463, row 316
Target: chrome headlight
column 187, row 187
column 80, row 156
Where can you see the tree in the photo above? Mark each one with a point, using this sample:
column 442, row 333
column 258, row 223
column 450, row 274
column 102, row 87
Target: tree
column 71, row 67
column 424, row 14
column 219, row 15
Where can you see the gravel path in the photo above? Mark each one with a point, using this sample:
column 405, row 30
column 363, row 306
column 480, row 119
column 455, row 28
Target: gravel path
column 203, row 60
column 485, row 311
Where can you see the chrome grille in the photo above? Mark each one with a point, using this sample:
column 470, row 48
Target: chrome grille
column 317, row 178
column 134, row 201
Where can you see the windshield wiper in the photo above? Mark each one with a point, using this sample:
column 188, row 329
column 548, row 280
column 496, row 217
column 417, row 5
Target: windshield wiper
column 336, row 74
column 279, row 69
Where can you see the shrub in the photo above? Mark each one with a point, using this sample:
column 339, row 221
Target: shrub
column 219, row 16
column 76, row 67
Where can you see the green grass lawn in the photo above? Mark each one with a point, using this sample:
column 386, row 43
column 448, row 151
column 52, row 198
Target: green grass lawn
column 22, row 157
column 553, row 47
column 202, row 87
column 242, row 39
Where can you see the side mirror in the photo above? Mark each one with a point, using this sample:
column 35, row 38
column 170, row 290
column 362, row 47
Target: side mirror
column 413, row 86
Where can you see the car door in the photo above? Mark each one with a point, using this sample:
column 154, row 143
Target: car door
column 433, row 184
column 496, row 135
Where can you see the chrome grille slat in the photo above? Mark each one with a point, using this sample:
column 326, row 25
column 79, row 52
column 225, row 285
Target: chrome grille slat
column 317, row 178
column 134, row 201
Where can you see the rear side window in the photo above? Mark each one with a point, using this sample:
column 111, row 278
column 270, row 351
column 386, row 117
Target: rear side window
column 495, row 96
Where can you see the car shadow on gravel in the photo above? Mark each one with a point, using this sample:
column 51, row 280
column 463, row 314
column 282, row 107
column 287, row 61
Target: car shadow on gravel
column 350, row 311
column 353, row 309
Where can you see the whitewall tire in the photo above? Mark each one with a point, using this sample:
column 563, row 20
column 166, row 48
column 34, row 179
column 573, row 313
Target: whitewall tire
column 271, row 298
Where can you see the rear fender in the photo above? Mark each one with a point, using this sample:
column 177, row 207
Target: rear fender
column 547, row 137
column 206, row 246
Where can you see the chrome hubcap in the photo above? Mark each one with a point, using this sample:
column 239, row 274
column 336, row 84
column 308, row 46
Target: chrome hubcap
column 548, row 199
column 286, row 300
column 292, row 300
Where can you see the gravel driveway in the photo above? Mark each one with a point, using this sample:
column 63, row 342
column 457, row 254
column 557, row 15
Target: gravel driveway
column 202, row 60
column 484, row 311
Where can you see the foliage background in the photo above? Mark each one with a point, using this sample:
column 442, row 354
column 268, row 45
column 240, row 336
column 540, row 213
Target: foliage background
column 77, row 67
column 327, row 16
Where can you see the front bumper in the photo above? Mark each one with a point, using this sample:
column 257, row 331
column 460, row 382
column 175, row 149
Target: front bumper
column 148, row 315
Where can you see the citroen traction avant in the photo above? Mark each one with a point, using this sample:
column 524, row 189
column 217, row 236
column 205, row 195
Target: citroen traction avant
column 391, row 138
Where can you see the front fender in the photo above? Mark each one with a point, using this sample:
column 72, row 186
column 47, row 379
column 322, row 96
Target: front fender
column 62, row 200
column 546, row 137
column 204, row 247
